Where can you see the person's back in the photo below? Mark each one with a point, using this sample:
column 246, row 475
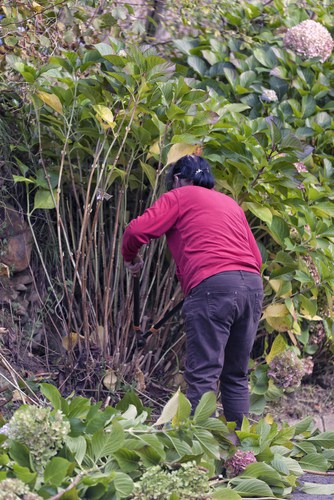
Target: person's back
column 210, row 235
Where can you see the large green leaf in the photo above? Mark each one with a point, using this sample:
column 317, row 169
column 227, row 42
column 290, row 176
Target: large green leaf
column 105, row 443
column 127, row 459
column 45, row 199
column 150, row 172
column 24, row 473
column 325, row 439
column 251, row 487
column 78, row 446
column 208, row 442
column 225, row 494
column 314, row 461
column 56, row 471
column 206, row 407
column 318, row 489
column 263, row 213
column 123, row 485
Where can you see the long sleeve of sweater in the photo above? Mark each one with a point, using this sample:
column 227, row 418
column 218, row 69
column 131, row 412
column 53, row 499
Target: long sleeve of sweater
column 154, row 222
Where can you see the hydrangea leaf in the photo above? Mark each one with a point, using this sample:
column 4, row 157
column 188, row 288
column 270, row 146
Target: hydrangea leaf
column 56, row 471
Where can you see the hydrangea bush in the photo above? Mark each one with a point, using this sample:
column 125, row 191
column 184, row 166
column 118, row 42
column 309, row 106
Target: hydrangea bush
column 42, row 431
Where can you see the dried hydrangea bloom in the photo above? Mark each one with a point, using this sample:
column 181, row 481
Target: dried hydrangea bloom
column 269, row 95
column 238, row 462
column 318, row 333
column 309, row 39
column 312, row 268
column 300, row 166
column 308, row 365
column 286, row 370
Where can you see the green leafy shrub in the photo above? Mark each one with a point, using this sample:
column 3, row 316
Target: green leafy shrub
column 115, row 452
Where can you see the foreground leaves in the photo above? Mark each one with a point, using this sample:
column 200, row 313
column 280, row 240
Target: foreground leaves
column 107, row 452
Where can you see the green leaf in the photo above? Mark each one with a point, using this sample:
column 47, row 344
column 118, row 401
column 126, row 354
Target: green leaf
column 77, row 446
column 265, row 56
column 56, row 470
column 52, row 394
column 198, row 65
column 44, row 199
column 206, row 407
column 20, row 453
column 105, row 443
column 257, row 403
column 314, row 461
column 183, row 410
column 181, row 447
column 208, row 442
column 251, row 487
column 234, row 108
column 318, row 489
column 150, row 172
column 123, row 485
column 325, row 439
column 127, row 459
column 24, row 473
column 225, row 494
column 263, row 213
column 263, row 471
column 304, row 425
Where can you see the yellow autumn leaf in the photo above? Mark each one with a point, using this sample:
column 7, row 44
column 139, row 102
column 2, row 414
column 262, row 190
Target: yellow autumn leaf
column 110, row 380
column 71, row 340
column 278, row 346
column 105, row 114
column 275, row 311
column 51, row 100
column 269, row 419
column 155, row 148
column 180, row 149
column 279, row 324
column 36, row 7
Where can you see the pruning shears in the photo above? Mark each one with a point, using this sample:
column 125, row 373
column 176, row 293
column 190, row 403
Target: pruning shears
column 140, row 335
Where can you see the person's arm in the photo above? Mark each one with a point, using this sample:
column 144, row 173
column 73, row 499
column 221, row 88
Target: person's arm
column 154, row 222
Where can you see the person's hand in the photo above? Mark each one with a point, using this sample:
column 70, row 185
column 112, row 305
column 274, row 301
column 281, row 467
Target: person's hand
column 135, row 265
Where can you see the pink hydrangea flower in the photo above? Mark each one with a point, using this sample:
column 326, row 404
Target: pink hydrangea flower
column 300, row 166
column 238, row 462
column 310, row 39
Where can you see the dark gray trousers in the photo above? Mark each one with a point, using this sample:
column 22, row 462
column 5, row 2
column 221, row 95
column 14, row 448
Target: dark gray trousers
column 221, row 318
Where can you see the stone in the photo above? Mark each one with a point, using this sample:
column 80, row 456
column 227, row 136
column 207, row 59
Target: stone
column 15, row 239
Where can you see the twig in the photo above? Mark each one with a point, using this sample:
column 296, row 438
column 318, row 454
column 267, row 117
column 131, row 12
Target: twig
column 73, row 483
column 319, row 473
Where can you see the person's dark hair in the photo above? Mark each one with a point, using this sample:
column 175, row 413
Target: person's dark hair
column 195, row 169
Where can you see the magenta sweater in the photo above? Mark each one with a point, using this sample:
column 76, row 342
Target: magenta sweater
column 207, row 233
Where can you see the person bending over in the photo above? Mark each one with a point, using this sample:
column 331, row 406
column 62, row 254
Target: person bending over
column 218, row 265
